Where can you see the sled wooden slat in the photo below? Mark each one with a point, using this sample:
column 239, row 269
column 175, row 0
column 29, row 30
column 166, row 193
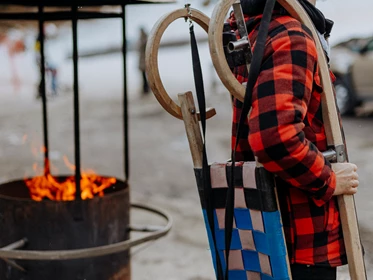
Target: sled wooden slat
column 192, row 127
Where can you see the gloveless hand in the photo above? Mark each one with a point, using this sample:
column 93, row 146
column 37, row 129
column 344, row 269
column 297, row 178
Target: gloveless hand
column 346, row 177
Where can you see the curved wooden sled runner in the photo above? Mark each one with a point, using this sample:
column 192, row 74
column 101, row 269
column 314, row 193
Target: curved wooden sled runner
column 151, row 55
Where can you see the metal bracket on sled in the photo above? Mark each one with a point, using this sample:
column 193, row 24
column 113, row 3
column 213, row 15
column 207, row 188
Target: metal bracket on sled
column 336, row 155
column 238, row 51
column 244, row 42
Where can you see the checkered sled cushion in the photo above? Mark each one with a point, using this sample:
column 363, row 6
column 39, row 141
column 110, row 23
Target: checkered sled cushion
column 257, row 250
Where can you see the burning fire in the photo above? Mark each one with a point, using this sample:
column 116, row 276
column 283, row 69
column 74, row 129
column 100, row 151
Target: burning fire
column 47, row 186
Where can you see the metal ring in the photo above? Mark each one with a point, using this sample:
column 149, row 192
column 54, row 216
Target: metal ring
column 151, row 56
column 217, row 51
column 92, row 252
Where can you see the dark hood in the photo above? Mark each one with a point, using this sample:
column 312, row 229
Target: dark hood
column 254, row 8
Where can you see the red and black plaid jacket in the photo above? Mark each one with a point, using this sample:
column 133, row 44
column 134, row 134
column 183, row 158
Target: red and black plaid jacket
column 285, row 132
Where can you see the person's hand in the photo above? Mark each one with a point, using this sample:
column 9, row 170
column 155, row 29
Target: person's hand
column 346, row 177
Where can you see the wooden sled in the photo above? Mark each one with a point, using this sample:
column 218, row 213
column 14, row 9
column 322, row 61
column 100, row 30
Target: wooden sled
column 254, row 231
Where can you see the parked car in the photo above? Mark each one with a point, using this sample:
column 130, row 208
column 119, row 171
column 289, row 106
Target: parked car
column 352, row 63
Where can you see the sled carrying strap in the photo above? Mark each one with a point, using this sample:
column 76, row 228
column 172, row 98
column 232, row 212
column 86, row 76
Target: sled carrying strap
column 252, row 78
column 198, row 79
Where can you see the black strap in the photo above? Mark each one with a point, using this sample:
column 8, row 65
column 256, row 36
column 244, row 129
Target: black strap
column 252, row 78
column 198, row 80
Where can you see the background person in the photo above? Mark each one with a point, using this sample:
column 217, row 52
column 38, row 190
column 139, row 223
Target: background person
column 141, row 48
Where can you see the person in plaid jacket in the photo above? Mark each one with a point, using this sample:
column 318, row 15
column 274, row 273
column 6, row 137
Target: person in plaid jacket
column 285, row 131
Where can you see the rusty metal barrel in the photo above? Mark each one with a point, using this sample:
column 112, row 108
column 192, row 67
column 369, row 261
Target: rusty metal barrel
column 53, row 225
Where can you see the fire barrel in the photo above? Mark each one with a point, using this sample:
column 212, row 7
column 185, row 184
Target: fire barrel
column 65, row 225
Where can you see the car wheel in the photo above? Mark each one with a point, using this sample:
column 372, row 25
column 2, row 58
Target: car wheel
column 345, row 102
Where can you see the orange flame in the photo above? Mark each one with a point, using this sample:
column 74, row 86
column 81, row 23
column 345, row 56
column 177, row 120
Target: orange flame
column 48, row 186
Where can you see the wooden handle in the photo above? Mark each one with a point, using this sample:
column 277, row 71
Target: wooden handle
column 330, row 116
column 192, row 128
column 210, row 112
column 151, row 55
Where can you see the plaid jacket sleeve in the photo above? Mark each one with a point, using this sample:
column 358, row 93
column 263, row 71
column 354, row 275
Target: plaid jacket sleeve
column 280, row 100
